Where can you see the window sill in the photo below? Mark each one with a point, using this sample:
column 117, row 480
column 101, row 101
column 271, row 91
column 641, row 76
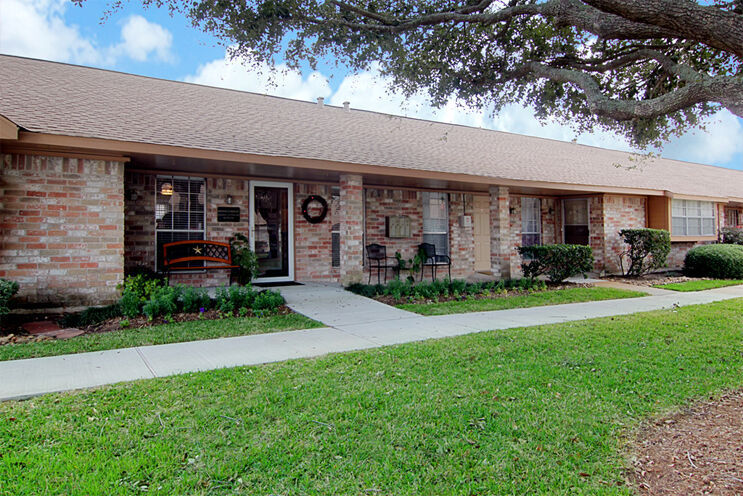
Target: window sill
column 688, row 239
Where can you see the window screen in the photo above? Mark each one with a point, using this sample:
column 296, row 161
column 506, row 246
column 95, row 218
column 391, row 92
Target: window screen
column 180, row 212
column 436, row 221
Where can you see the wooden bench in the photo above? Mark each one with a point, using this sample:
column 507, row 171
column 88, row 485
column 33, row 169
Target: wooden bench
column 178, row 255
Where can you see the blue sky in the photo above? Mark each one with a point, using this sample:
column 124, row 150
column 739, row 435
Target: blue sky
column 151, row 43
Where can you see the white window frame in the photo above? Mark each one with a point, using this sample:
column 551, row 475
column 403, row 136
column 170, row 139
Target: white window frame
column 538, row 210
column 290, row 206
column 680, row 212
column 172, row 179
column 427, row 195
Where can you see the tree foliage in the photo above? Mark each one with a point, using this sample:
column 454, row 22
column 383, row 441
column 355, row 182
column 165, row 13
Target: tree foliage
column 647, row 69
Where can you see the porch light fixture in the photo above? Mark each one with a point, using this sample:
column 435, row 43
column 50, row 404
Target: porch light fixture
column 228, row 200
column 166, row 189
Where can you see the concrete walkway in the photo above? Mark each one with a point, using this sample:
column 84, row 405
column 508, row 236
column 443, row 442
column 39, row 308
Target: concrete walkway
column 357, row 323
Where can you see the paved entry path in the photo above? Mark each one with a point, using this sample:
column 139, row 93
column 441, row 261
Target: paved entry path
column 355, row 322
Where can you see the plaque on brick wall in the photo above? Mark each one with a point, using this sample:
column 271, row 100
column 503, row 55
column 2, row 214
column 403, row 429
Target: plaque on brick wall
column 397, row 226
column 228, row 214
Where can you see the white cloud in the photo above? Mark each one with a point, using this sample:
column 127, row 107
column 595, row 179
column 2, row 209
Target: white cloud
column 261, row 78
column 39, row 29
column 141, row 38
column 717, row 144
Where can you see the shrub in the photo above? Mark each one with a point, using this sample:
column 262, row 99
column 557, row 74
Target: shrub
column 243, row 256
column 8, row 289
column 141, row 285
column 91, row 316
column 558, row 262
column 131, row 304
column 231, row 299
column 194, row 299
column 431, row 290
column 164, row 301
column 648, row 249
column 717, row 261
column 267, row 301
column 732, row 235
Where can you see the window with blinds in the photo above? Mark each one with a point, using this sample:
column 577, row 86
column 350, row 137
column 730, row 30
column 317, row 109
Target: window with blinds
column 692, row 218
column 531, row 222
column 180, row 212
column 436, row 221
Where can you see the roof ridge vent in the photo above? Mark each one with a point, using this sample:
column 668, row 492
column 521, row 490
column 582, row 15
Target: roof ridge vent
column 320, row 101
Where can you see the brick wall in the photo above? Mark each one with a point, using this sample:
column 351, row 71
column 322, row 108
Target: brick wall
column 313, row 246
column 351, row 220
column 548, row 218
column 381, row 203
column 501, row 246
column 62, row 231
column 620, row 212
column 461, row 239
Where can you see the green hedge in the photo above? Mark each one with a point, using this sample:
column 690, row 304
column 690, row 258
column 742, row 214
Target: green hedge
column 401, row 290
column 557, row 262
column 8, row 289
column 648, row 249
column 718, row 261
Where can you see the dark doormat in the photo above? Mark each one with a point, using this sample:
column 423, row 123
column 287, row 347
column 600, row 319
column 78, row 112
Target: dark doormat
column 276, row 284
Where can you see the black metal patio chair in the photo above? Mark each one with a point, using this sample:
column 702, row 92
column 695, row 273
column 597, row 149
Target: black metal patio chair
column 433, row 260
column 376, row 254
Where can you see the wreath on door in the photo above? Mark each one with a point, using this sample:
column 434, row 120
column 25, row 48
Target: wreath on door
column 314, row 219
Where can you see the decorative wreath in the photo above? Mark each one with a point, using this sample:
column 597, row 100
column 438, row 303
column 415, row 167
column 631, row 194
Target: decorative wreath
column 314, row 219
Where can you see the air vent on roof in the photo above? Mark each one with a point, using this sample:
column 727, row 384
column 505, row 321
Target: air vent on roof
column 347, row 106
column 320, row 101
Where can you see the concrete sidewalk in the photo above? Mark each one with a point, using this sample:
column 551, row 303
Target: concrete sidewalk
column 357, row 323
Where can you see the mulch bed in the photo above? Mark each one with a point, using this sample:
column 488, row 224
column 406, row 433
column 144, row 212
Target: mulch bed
column 391, row 300
column 13, row 334
column 698, row 451
column 655, row 279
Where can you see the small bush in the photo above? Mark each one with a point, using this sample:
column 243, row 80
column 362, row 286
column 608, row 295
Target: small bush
column 267, row 301
column 732, row 235
column 231, row 299
column 164, row 301
column 194, row 299
column 717, row 261
column 8, row 289
column 141, row 285
column 131, row 304
column 648, row 249
column 558, row 262
column 91, row 316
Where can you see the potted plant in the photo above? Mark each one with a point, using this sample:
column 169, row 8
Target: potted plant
column 244, row 257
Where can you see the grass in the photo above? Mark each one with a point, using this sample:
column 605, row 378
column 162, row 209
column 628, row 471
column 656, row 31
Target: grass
column 541, row 298
column 168, row 333
column 542, row 410
column 699, row 285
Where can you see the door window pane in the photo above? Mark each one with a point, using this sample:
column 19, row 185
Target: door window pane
column 530, row 222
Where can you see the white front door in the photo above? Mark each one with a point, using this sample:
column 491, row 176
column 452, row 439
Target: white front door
column 272, row 230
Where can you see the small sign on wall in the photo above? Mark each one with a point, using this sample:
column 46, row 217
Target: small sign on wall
column 228, row 214
column 397, row 226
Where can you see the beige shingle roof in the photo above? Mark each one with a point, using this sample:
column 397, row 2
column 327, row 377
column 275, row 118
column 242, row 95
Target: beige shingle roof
column 69, row 100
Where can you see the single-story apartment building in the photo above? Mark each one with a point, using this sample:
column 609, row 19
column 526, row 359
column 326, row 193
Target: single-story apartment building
column 100, row 169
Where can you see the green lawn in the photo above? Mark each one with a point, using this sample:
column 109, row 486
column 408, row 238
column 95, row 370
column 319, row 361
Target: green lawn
column 541, row 298
column 543, row 410
column 168, row 333
column 699, row 285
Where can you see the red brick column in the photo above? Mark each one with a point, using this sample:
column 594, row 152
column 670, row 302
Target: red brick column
column 500, row 235
column 62, row 229
column 351, row 228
